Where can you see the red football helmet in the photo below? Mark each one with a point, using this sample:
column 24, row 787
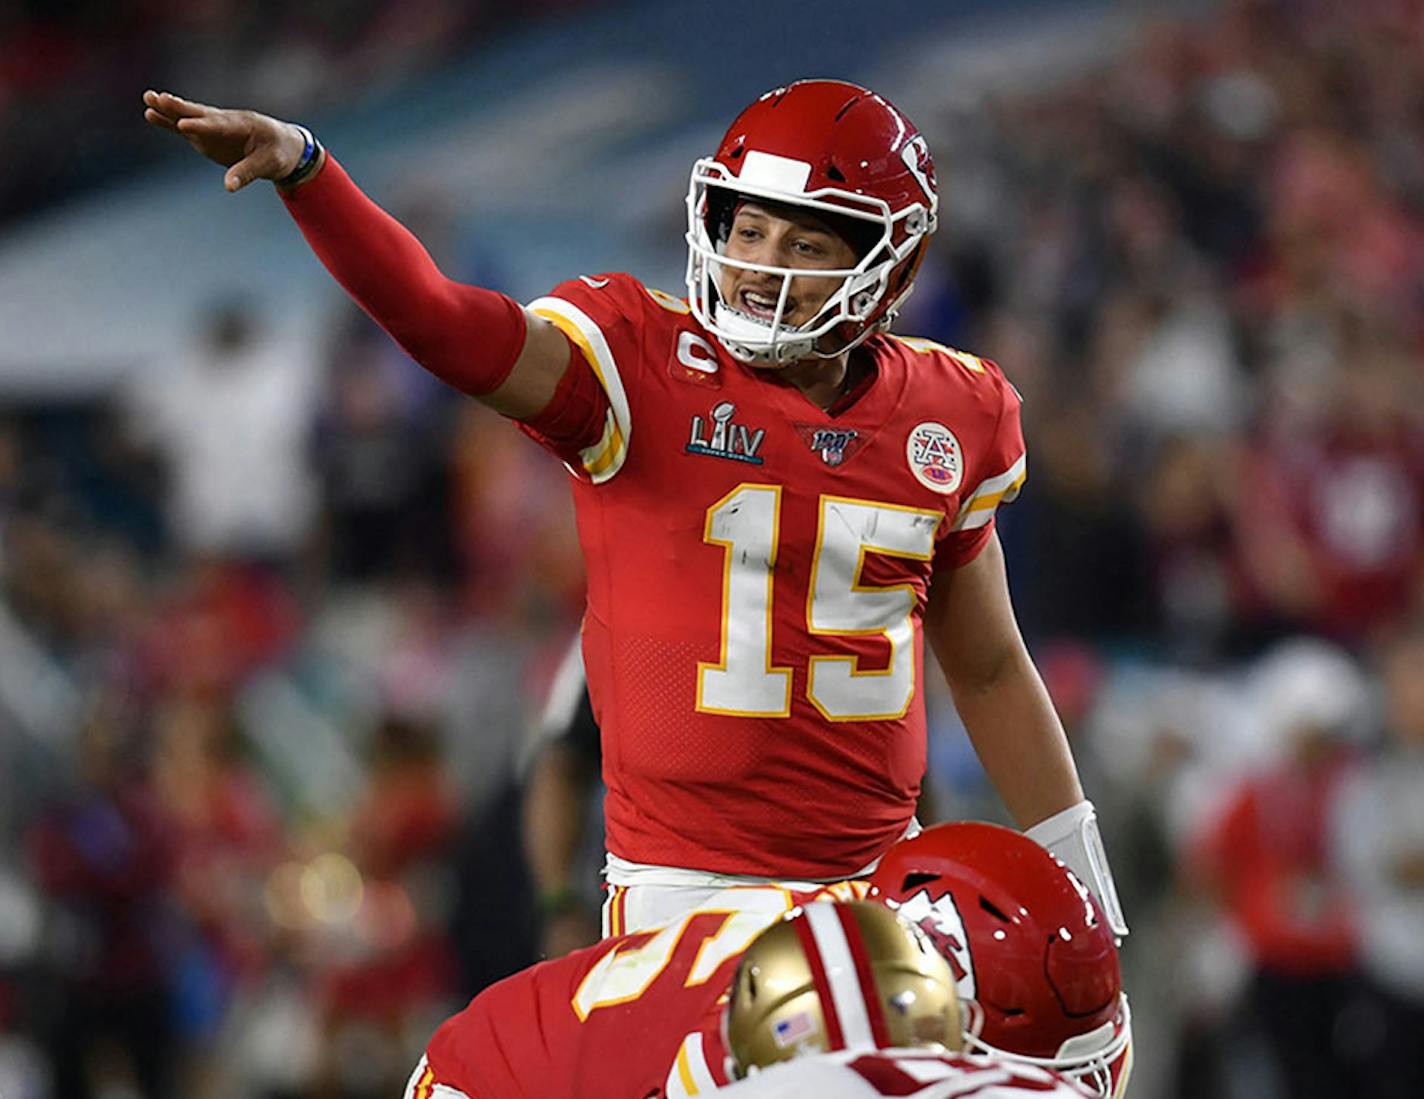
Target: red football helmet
column 1035, row 962
column 850, row 157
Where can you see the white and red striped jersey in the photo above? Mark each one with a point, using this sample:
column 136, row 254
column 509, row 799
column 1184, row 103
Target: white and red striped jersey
column 904, row 1073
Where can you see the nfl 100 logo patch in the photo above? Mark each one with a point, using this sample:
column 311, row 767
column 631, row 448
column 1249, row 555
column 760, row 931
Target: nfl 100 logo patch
column 833, row 444
column 934, row 457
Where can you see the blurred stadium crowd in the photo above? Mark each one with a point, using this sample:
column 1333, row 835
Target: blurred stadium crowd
column 275, row 623
column 71, row 67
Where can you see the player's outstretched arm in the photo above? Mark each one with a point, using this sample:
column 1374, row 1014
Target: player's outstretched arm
column 478, row 341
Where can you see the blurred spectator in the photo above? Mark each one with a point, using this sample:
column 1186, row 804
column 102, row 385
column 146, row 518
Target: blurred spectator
column 102, row 855
column 1268, row 858
column 226, row 839
column 9, row 475
column 1335, row 533
column 1380, row 833
column 73, row 68
column 1077, row 520
column 230, row 418
column 392, row 972
column 380, row 449
column 213, row 627
column 1188, row 501
column 515, row 530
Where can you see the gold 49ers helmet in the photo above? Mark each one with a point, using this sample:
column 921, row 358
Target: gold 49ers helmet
column 836, row 976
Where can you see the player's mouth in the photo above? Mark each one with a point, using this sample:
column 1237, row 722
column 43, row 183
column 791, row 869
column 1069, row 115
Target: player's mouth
column 761, row 306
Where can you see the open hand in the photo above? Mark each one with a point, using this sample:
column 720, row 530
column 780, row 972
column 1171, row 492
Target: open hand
column 249, row 145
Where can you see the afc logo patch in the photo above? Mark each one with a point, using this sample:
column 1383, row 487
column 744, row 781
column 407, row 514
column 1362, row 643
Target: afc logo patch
column 934, row 457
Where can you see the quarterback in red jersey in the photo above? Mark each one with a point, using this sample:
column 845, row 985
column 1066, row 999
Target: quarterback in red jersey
column 780, row 505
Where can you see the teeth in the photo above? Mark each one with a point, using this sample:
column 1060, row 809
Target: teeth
column 759, row 303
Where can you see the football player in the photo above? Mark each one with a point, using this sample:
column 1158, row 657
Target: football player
column 1034, row 961
column 905, row 1073
column 606, row 1021
column 1039, row 989
column 780, row 504
column 1034, row 958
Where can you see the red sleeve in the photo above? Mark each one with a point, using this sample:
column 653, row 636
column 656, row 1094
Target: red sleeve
column 590, row 424
column 515, row 1038
column 997, row 475
column 576, row 416
column 464, row 335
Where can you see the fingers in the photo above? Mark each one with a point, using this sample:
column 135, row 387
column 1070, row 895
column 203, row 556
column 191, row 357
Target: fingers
column 174, row 106
column 206, row 124
column 259, row 165
column 238, row 176
column 162, row 121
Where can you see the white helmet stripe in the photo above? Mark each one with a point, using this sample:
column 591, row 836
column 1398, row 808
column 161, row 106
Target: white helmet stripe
column 836, row 960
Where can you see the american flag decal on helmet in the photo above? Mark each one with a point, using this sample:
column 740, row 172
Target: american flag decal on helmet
column 793, row 1029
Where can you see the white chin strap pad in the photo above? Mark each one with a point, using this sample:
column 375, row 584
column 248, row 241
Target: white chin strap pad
column 1072, row 836
column 750, row 340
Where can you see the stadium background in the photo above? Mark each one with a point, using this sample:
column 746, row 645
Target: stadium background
column 279, row 616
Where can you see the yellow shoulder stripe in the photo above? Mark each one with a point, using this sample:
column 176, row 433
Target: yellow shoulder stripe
column 602, row 459
column 972, row 363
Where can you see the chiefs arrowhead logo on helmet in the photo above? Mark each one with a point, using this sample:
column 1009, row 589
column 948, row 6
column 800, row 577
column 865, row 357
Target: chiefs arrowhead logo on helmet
column 916, row 155
column 938, row 917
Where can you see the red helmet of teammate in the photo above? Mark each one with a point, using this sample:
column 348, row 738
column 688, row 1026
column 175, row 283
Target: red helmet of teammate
column 849, row 157
column 1032, row 954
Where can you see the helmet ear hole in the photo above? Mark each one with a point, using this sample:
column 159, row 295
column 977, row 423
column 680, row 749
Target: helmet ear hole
column 914, row 881
column 721, row 210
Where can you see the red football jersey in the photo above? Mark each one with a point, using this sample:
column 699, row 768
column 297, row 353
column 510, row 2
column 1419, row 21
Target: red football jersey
column 607, row 1020
column 757, row 569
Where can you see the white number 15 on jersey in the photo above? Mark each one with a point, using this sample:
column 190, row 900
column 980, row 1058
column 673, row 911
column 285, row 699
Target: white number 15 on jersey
column 744, row 682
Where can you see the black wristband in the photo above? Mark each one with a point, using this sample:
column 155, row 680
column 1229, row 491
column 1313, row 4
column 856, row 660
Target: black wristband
column 311, row 156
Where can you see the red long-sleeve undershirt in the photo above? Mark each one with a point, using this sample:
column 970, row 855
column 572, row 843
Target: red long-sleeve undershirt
column 466, row 336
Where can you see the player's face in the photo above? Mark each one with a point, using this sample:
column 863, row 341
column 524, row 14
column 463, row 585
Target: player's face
column 782, row 237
